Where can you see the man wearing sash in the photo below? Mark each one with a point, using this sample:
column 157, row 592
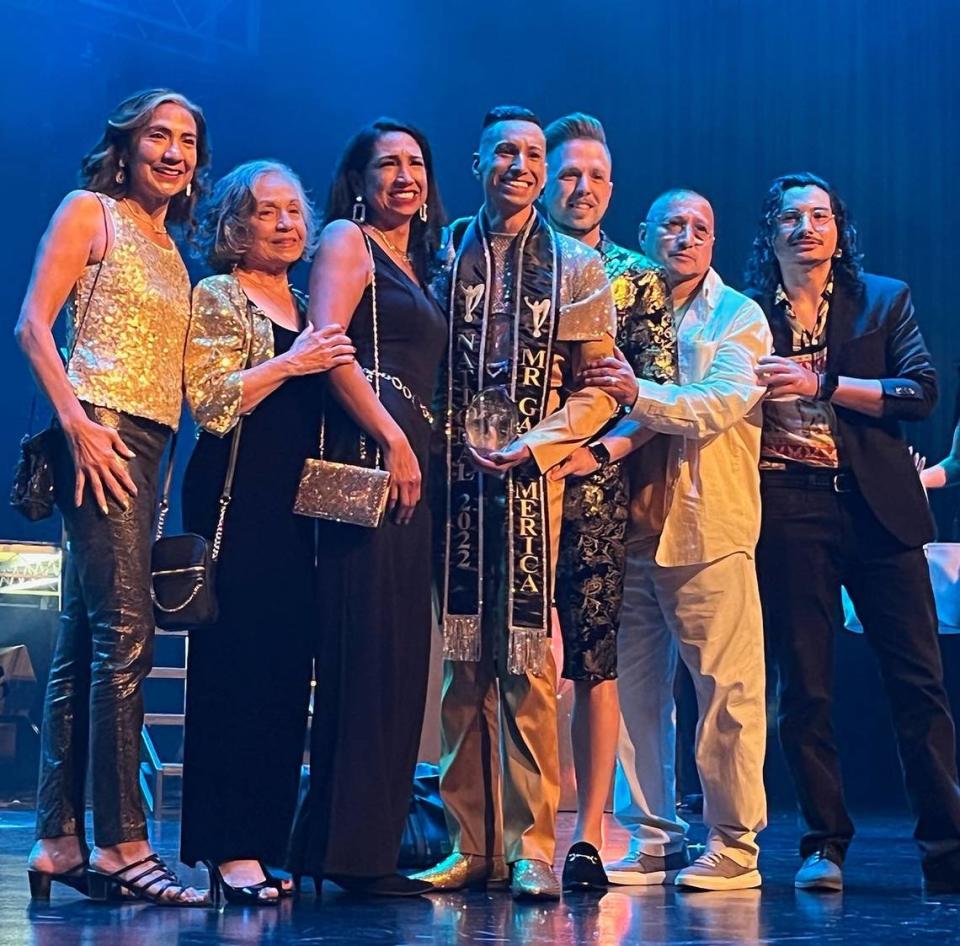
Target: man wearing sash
column 528, row 308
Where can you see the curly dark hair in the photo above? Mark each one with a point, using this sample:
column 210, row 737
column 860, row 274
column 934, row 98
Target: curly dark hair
column 99, row 167
column 424, row 237
column 763, row 271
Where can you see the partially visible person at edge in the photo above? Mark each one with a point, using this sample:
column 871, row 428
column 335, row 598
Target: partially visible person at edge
column 691, row 584
column 252, row 355
column 589, row 591
column 109, row 256
column 371, row 273
column 528, row 308
column 842, row 505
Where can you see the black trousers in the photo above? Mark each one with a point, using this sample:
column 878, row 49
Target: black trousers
column 812, row 541
column 94, row 699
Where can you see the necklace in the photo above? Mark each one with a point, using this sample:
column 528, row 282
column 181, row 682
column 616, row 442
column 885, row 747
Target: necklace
column 391, row 245
column 139, row 213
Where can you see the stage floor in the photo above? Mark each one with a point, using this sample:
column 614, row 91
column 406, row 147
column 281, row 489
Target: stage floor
column 883, row 904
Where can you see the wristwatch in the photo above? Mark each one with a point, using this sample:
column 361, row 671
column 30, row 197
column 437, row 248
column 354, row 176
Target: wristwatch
column 829, row 381
column 600, row 453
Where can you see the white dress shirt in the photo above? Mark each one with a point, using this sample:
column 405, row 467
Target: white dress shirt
column 715, row 417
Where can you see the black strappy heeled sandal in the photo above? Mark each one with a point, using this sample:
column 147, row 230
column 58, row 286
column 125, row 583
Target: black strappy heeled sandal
column 249, row 894
column 116, row 886
column 40, row 881
column 277, row 880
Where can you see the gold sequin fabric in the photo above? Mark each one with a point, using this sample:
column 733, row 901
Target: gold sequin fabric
column 129, row 352
column 592, row 555
column 590, row 314
column 645, row 331
column 225, row 329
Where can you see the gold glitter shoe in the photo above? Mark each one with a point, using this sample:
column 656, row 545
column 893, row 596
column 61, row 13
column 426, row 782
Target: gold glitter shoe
column 464, row 872
column 534, row 880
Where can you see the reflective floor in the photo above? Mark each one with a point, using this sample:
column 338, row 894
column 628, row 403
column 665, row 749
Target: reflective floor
column 883, row 904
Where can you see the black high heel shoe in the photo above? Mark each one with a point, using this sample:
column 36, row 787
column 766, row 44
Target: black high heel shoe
column 277, row 880
column 40, row 881
column 248, row 895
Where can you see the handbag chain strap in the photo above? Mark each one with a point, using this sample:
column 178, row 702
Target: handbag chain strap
column 376, row 375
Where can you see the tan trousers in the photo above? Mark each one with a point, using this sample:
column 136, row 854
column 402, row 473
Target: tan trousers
column 499, row 763
column 499, row 758
column 710, row 613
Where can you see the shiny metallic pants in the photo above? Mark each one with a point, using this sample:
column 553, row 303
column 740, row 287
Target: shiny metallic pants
column 94, row 700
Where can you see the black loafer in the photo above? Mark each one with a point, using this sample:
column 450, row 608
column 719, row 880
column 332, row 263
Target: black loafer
column 583, row 869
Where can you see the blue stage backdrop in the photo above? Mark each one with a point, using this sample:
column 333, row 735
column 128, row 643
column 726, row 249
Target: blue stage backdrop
column 718, row 95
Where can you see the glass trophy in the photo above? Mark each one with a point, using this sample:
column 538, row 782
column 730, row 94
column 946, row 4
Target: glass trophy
column 491, row 420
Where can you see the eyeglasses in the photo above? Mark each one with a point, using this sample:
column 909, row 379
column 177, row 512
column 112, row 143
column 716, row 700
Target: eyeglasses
column 676, row 228
column 819, row 218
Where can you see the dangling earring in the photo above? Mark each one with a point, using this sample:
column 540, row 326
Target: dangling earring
column 189, row 188
column 838, row 254
column 423, row 212
column 359, row 210
column 120, row 176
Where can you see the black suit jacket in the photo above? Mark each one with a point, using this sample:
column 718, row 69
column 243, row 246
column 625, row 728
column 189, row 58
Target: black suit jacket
column 872, row 333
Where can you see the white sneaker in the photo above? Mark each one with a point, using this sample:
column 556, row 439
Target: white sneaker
column 716, row 871
column 647, row 870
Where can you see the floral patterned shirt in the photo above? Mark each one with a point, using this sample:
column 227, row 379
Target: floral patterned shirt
column 645, row 332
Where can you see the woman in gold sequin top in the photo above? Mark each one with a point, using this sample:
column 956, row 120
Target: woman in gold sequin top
column 108, row 259
column 251, row 354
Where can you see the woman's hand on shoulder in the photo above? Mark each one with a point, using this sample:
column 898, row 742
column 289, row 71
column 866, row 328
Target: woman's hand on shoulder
column 318, row 350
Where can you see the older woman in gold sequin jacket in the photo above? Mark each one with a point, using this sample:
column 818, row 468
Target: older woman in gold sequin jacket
column 252, row 356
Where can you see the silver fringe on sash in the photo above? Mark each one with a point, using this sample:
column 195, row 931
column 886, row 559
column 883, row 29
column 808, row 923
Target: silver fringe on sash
column 461, row 637
column 527, row 650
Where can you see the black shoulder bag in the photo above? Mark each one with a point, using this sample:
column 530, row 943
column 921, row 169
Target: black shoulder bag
column 32, row 491
column 183, row 567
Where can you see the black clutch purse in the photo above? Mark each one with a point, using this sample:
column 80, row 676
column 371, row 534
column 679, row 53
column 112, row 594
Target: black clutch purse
column 183, row 567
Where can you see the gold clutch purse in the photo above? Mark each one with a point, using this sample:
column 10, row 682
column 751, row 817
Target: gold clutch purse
column 343, row 492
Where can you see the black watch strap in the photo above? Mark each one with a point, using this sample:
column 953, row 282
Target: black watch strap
column 600, row 453
column 829, row 381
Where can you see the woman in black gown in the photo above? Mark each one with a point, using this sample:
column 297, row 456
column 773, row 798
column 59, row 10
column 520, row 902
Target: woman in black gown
column 374, row 584
column 248, row 677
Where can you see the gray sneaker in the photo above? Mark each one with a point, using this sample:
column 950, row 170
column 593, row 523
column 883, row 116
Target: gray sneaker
column 647, row 870
column 818, row 872
column 716, row 871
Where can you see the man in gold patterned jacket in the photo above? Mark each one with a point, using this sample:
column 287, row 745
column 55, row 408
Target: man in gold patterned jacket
column 528, row 308
column 589, row 592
